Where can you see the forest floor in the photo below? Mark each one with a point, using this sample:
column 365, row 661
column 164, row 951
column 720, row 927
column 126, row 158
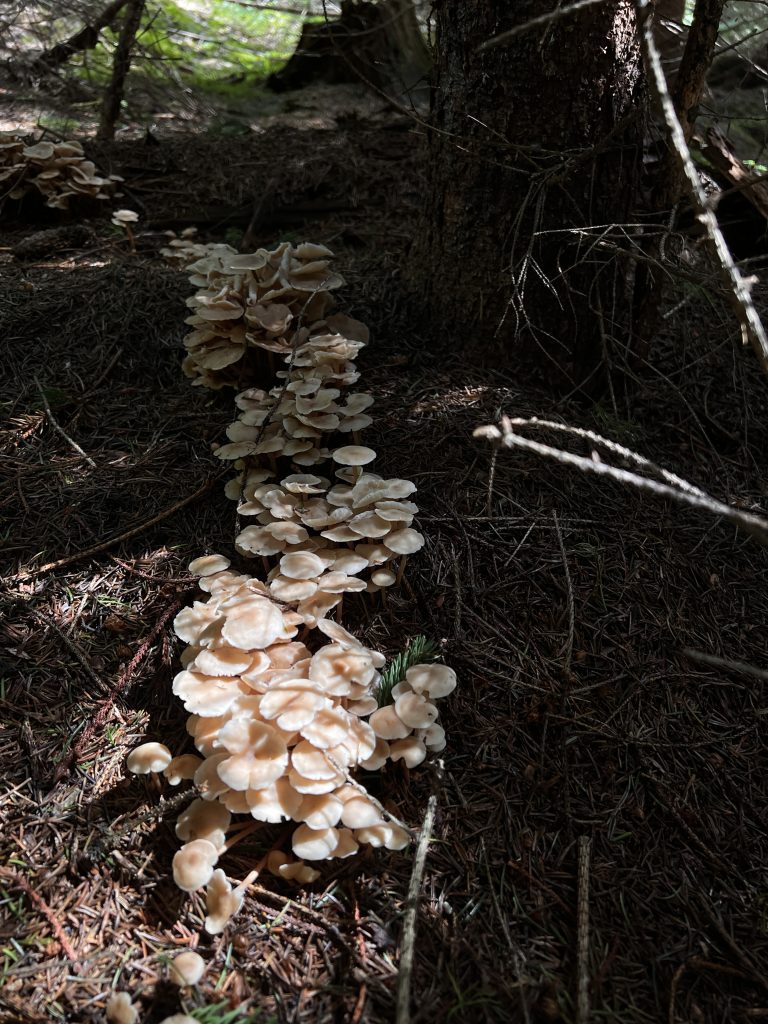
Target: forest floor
column 576, row 614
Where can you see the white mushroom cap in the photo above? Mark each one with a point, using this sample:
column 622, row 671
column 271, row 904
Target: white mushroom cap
column 193, row 865
column 389, row 835
column 347, row 845
column 404, row 542
column 120, row 1009
column 434, row 681
column 258, row 752
column 182, row 767
column 124, row 217
column 274, row 803
column 204, row 819
column 378, row 758
column 148, row 757
column 314, row 844
column 434, row 737
column 383, row 577
column 320, row 811
column 301, row 565
column 222, row 902
column 353, row 455
column 187, row 968
column 411, row 749
column 222, row 661
column 293, row 704
column 358, row 811
column 254, row 625
column 298, row 872
column 415, row 711
column 386, row 724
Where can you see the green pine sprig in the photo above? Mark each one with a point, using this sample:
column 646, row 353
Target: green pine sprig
column 420, row 651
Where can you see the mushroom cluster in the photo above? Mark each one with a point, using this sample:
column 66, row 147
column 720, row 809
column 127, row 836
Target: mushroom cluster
column 268, row 301
column 284, row 703
column 59, row 171
column 184, row 249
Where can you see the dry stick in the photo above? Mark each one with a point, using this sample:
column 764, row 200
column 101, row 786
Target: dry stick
column 689, row 495
column 85, row 39
column 72, row 646
column 716, row 662
column 18, row 880
column 752, row 329
column 403, row 1012
column 542, row 19
column 582, row 932
column 59, row 430
column 133, row 532
column 125, row 677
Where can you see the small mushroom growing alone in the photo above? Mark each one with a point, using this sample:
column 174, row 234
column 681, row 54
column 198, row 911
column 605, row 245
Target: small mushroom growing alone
column 148, row 757
column 120, row 1009
column 187, row 968
column 124, row 219
column 222, row 901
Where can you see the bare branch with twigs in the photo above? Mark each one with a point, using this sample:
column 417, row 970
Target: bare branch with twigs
column 669, row 486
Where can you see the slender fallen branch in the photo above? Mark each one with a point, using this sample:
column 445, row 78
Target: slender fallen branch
column 405, row 973
column 752, row 329
column 72, row 647
column 72, row 756
column 714, row 661
column 21, row 883
column 677, row 489
column 28, row 574
column 60, row 430
column 582, row 931
column 543, row 19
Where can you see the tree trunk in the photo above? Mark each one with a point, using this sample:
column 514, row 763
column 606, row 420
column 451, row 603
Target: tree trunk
column 378, row 44
column 113, row 98
column 535, row 148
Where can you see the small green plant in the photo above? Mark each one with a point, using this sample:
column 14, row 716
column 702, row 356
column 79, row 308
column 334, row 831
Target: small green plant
column 420, row 651
column 222, row 1013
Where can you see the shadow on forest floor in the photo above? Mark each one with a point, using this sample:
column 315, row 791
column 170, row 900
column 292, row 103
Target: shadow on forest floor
column 565, row 607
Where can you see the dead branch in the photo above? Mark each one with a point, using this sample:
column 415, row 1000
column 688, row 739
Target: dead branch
column 60, row 430
column 85, row 39
column 71, row 758
column 751, row 325
column 126, row 535
column 670, row 486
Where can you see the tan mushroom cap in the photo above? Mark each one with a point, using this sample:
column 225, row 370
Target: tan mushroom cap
column 314, row 844
column 258, row 754
column 120, row 1009
column 187, row 968
column 404, row 542
column 181, row 768
column 415, row 711
column 125, row 217
column 353, row 455
column 391, row 836
column 254, row 625
column 301, row 565
column 204, row 819
column 387, row 724
column 221, row 901
column 412, row 750
column 148, row 757
column 320, row 811
column 293, row 704
column 193, row 865
column 434, row 681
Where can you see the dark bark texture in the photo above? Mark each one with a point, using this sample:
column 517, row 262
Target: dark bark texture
column 113, row 98
column 533, row 143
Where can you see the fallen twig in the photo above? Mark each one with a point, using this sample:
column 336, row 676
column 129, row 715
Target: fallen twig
column 72, row 756
column 20, row 882
column 60, row 430
column 403, row 1012
column 582, row 932
column 751, row 325
column 27, row 574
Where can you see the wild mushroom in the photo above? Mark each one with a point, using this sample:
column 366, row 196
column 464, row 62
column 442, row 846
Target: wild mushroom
column 120, row 1009
column 433, row 681
column 257, row 754
column 204, row 819
column 314, row 844
column 181, row 768
column 148, row 757
column 186, row 969
column 222, row 902
column 193, row 865
column 412, row 750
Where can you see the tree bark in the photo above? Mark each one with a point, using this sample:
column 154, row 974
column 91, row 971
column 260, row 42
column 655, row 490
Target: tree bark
column 535, row 147
column 113, row 98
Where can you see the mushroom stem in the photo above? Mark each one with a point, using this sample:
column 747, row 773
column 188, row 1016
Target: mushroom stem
column 131, row 237
column 338, row 609
column 265, row 562
column 401, row 570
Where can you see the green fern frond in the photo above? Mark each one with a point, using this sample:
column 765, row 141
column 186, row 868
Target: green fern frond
column 419, row 651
